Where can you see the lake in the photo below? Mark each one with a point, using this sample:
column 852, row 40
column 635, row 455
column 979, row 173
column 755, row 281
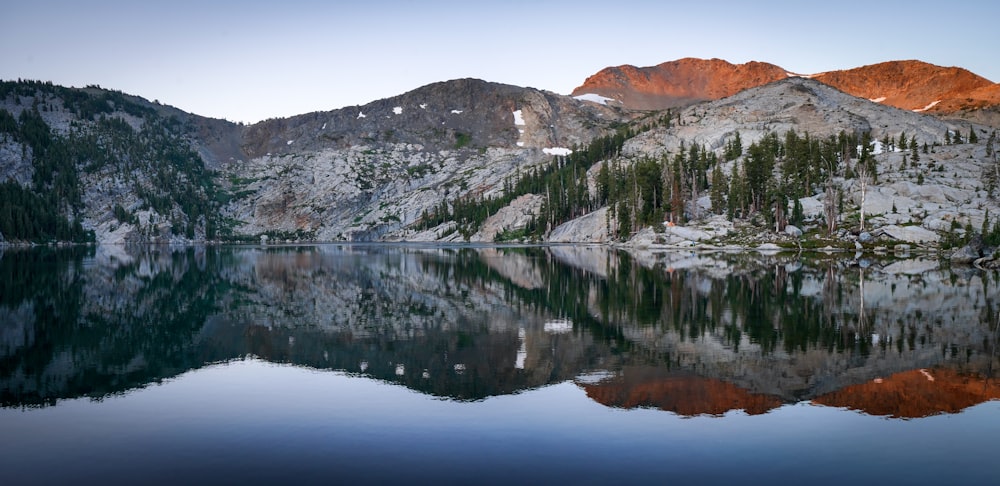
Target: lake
column 360, row 364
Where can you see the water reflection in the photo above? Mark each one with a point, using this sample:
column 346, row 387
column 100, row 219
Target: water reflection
column 692, row 334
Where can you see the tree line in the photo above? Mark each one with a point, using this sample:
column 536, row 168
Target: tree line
column 764, row 180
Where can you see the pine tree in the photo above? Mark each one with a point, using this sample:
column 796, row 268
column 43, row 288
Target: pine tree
column 797, row 213
column 972, row 136
column 718, row 194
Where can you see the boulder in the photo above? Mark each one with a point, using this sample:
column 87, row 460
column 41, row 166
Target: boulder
column 812, row 207
column 685, row 233
column 768, row 248
column 876, row 201
column 969, row 253
column 793, row 231
column 514, row 216
column 908, row 234
column 589, row 228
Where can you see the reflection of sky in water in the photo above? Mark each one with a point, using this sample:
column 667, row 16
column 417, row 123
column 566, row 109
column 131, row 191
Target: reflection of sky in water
column 255, row 421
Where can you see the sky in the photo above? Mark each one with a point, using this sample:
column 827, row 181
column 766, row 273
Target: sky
column 251, row 60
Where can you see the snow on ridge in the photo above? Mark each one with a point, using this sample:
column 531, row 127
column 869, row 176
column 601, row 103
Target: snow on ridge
column 563, row 151
column 456, row 112
column 877, row 100
column 797, row 75
column 518, row 119
column 928, row 106
column 361, row 114
column 594, row 98
column 398, row 110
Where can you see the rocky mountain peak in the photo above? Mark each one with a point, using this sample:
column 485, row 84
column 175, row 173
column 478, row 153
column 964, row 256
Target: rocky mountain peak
column 909, row 85
column 914, row 85
column 443, row 115
column 678, row 83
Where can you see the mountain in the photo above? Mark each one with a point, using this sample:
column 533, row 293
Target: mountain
column 909, row 85
column 914, row 394
column 471, row 160
column 369, row 172
column 677, row 83
column 102, row 165
column 916, row 85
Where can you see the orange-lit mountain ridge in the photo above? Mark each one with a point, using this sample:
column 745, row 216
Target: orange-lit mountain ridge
column 909, row 85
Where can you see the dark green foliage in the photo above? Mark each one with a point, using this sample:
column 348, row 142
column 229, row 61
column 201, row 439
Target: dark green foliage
column 992, row 238
column 28, row 216
column 797, row 215
column 8, row 124
column 179, row 186
column 734, row 148
column 719, row 190
column 462, row 139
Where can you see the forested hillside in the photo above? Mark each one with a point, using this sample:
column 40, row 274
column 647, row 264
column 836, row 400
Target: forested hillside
column 100, row 160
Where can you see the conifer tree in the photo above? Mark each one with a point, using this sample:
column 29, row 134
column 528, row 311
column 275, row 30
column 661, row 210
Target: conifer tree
column 719, row 187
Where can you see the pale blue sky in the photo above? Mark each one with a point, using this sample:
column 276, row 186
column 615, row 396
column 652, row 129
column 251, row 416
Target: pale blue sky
column 249, row 60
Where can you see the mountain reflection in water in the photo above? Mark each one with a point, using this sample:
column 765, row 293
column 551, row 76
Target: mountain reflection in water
column 692, row 334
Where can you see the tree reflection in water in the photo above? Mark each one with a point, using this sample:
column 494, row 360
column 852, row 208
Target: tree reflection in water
column 689, row 333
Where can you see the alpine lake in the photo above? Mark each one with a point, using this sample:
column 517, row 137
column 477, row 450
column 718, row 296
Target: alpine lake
column 418, row 364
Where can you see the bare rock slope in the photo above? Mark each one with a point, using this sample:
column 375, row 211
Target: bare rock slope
column 910, row 85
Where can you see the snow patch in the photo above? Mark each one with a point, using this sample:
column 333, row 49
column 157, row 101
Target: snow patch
column 518, row 119
column 520, row 144
column 558, row 326
column 879, row 149
column 557, row 151
column 928, row 106
column 877, row 100
column 594, row 98
column 290, row 142
column 361, row 114
column 398, row 110
column 594, row 377
column 423, row 106
column 456, row 112
column 323, row 127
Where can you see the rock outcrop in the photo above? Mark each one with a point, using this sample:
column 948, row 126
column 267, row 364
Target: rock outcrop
column 592, row 228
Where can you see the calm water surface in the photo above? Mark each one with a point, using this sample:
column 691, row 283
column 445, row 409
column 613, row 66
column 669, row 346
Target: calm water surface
column 404, row 364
